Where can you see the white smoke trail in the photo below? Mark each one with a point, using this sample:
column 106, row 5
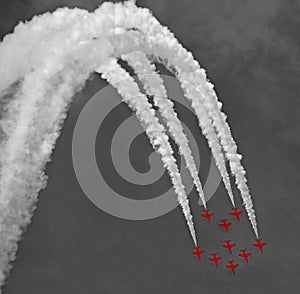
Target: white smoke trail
column 162, row 44
column 48, row 33
column 129, row 90
column 21, row 171
column 45, row 61
column 203, row 93
column 29, row 129
column 154, row 86
column 135, row 40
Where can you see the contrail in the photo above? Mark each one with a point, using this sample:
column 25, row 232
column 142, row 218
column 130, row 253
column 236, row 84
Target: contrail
column 154, row 86
column 44, row 62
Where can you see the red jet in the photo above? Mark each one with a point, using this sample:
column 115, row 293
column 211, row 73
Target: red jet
column 225, row 225
column 215, row 259
column 229, row 245
column 197, row 252
column 259, row 244
column 236, row 213
column 245, row 254
column 232, row 266
column 208, row 215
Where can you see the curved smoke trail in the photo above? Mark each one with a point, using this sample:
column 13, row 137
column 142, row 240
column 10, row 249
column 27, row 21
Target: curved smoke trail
column 42, row 65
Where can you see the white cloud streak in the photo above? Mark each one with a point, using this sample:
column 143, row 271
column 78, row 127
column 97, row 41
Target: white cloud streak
column 154, row 86
column 50, row 58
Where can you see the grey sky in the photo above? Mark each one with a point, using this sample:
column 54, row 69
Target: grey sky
column 250, row 50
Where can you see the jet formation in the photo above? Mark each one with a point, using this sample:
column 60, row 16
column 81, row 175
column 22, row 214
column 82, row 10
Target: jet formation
column 217, row 259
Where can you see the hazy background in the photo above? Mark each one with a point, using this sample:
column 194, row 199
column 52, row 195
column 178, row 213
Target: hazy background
column 250, row 50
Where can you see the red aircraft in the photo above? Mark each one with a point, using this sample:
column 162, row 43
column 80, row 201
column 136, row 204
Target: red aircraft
column 197, row 252
column 232, row 266
column 208, row 215
column 236, row 213
column 215, row 259
column 225, row 225
column 259, row 244
column 228, row 245
column 245, row 254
